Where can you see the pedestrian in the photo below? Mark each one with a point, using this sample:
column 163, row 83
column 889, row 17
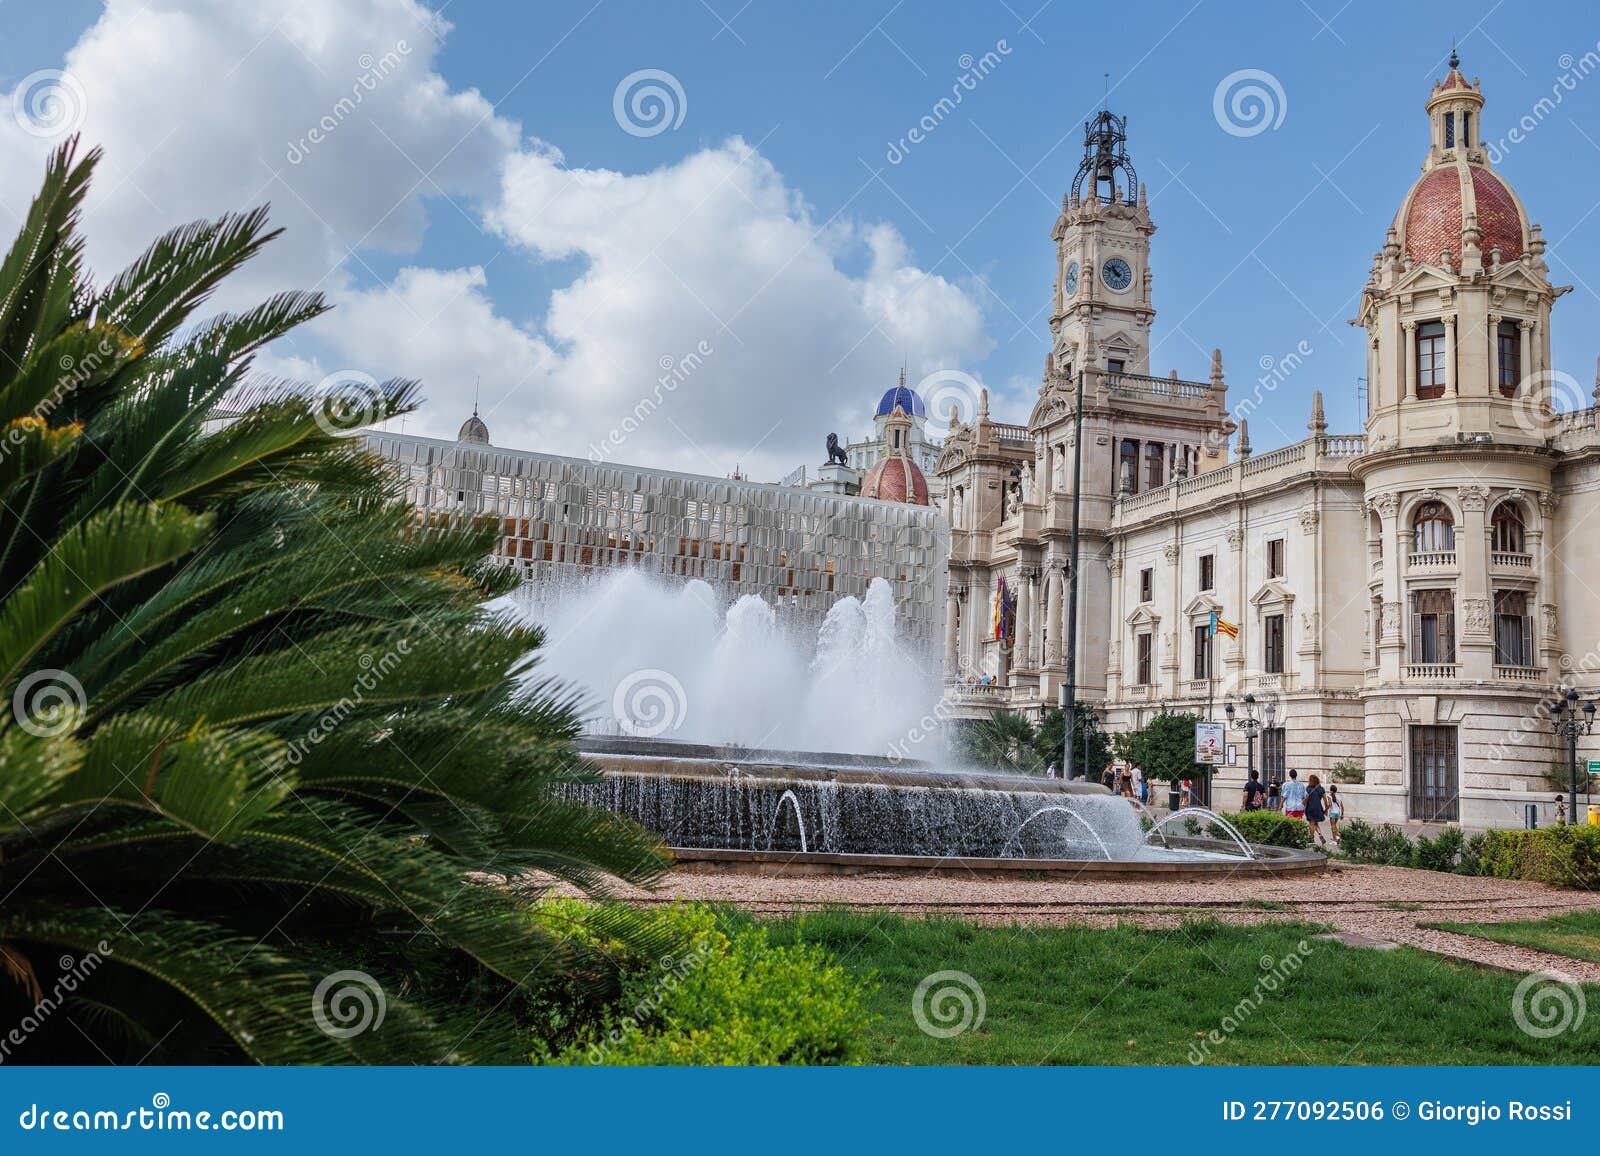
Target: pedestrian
column 1335, row 811
column 1185, row 791
column 1255, row 795
column 1052, row 771
column 1316, row 807
column 1294, row 797
column 1274, row 796
column 1561, row 810
column 1138, row 784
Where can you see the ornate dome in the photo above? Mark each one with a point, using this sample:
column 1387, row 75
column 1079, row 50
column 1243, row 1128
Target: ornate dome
column 473, row 430
column 903, row 396
column 896, row 479
column 1433, row 214
column 1457, row 190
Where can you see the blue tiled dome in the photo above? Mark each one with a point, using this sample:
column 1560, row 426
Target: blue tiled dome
column 906, row 398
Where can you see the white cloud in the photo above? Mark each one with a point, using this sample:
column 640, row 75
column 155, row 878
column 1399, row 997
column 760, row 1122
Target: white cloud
column 336, row 113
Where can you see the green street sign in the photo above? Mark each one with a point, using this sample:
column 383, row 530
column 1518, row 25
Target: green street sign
column 1594, row 766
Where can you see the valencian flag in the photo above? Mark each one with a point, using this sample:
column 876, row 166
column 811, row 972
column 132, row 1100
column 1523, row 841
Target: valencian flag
column 1005, row 611
column 1218, row 626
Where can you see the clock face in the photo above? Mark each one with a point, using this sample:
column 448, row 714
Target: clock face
column 1117, row 273
column 1072, row 278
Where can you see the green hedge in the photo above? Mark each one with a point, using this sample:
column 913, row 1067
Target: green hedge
column 1562, row 856
column 1269, row 828
column 725, row 995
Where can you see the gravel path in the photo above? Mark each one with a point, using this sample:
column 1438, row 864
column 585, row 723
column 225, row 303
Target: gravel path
column 1382, row 903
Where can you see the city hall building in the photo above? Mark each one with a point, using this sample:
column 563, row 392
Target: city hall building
column 1406, row 596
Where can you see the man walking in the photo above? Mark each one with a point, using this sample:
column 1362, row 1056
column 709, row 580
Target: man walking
column 1255, row 795
column 1294, row 797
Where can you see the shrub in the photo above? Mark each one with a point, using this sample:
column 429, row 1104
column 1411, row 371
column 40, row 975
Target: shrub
column 1441, row 853
column 1269, row 828
column 725, row 996
column 1387, row 845
column 1562, row 856
column 1349, row 771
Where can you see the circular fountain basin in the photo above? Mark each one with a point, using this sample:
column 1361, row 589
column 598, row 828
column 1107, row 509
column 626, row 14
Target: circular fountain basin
column 804, row 812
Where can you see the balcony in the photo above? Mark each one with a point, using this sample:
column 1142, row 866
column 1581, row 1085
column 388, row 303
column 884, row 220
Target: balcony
column 1431, row 671
column 1518, row 673
column 1433, row 560
column 979, row 694
column 1504, row 561
column 1142, row 387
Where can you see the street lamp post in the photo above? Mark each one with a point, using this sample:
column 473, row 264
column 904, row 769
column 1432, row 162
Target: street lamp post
column 1250, row 725
column 1091, row 724
column 1564, row 719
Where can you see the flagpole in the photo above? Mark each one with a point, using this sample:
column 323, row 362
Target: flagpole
column 1211, row 666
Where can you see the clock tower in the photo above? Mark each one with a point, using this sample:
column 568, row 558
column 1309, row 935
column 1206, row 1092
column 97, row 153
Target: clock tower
column 1102, row 311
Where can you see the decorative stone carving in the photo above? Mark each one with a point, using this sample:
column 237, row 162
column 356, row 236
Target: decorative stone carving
column 1387, row 505
column 1171, row 552
column 1428, row 495
column 1235, row 538
column 1309, row 520
column 1391, row 619
column 1549, row 621
column 1473, row 498
column 1475, row 612
column 1549, row 502
column 1516, row 495
column 1115, row 566
column 1310, row 623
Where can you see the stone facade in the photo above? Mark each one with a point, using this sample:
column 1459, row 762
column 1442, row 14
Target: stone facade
column 798, row 549
column 1407, row 596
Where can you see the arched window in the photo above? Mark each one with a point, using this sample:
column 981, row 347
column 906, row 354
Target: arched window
column 1433, row 530
column 1509, row 533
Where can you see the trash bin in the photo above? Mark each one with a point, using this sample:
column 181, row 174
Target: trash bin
column 1594, row 815
column 1530, row 816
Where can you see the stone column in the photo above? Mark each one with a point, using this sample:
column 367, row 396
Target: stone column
column 1115, row 631
column 1023, row 647
column 1408, row 357
column 1494, row 355
column 952, row 643
column 1391, row 631
column 1524, row 350
column 1550, row 647
column 1450, row 355
column 1052, row 618
column 1475, row 641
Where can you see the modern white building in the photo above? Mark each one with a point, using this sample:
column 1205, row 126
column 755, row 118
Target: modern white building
column 1406, row 596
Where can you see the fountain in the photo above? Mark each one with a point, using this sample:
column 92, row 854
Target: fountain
column 707, row 721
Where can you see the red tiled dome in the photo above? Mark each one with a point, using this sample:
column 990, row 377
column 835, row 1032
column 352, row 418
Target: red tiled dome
column 888, row 481
column 1436, row 211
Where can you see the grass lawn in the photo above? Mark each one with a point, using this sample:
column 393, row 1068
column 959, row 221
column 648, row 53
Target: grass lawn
column 1074, row 995
column 1576, row 934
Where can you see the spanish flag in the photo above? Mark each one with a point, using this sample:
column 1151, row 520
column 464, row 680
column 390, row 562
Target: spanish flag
column 1218, row 626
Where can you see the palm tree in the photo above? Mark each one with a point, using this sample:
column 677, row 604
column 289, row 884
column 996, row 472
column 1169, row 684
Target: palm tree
column 1004, row 741
column 266, row 756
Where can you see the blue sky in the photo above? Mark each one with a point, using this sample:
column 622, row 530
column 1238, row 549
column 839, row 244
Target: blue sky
column 1263, row 243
